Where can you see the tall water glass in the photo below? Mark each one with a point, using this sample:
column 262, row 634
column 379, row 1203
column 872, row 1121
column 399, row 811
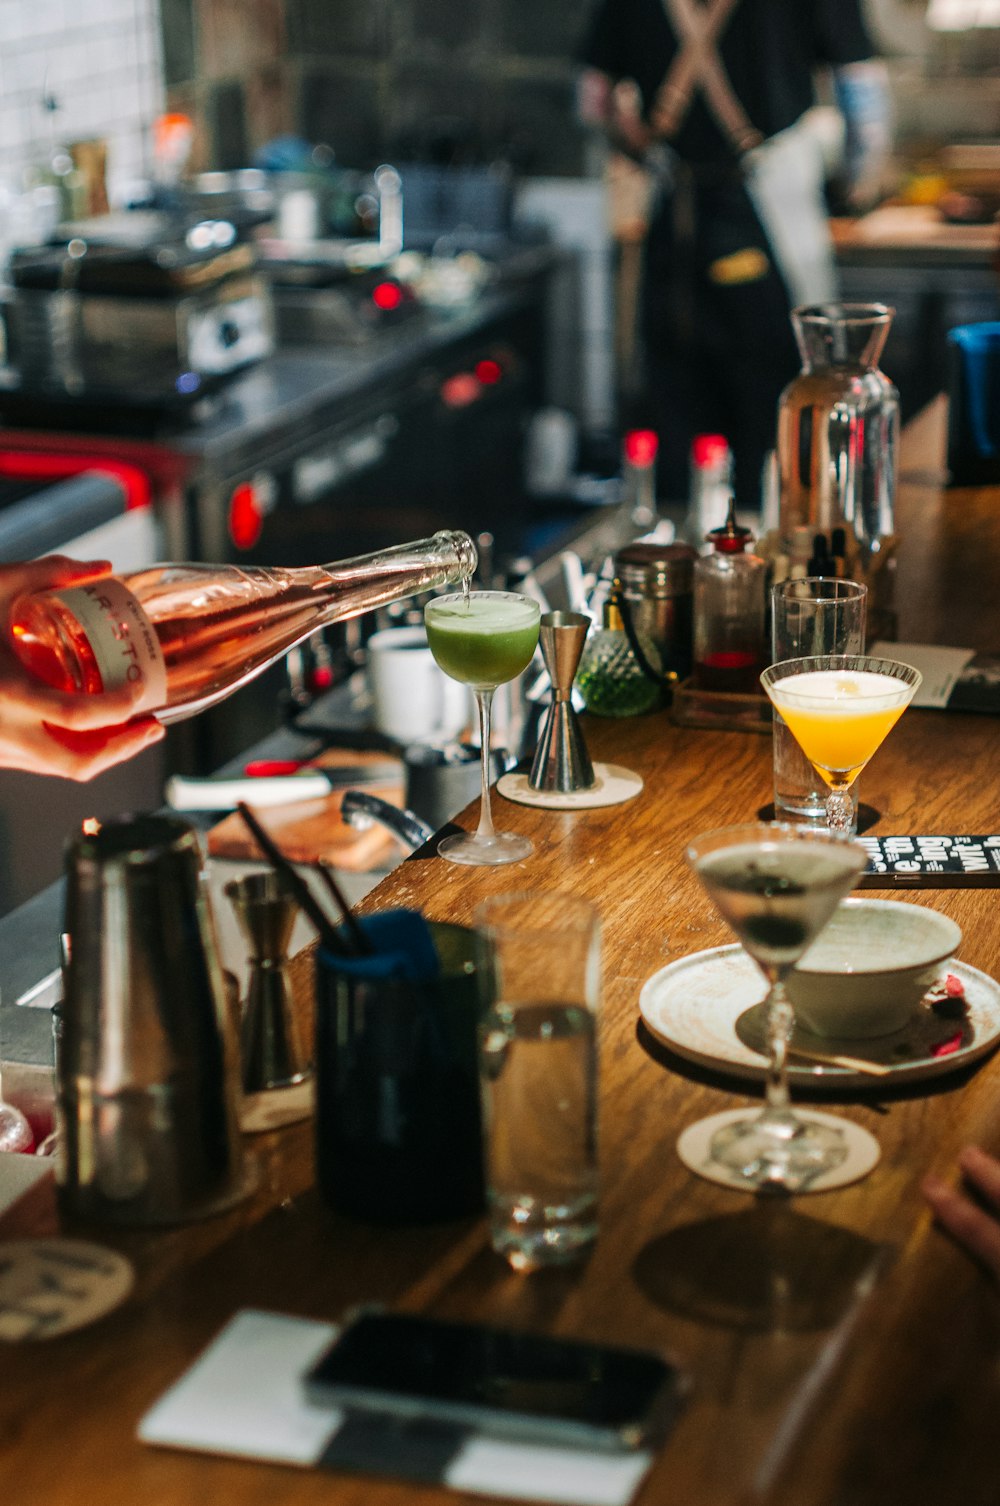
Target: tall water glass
column 538, row 1077
column 815, row 615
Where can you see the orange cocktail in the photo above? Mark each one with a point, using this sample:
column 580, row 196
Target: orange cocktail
column 839, row 718
column 839, row 708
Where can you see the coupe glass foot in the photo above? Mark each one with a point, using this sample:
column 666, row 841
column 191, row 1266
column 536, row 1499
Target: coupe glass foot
column 476, row 851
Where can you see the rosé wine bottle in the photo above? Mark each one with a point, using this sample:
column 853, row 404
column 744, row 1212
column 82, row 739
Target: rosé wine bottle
column 192, row 634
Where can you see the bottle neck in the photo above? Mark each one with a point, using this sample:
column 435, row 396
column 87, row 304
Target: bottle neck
column 640, row 495
column 833, row 336
column 374, row 580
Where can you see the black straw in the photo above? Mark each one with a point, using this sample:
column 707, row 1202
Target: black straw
column 360, row 940
column 327, row 932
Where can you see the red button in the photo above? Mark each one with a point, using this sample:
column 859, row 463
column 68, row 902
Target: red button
column 246, row 516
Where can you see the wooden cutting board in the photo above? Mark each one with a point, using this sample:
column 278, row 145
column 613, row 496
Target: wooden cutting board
column 311, row 831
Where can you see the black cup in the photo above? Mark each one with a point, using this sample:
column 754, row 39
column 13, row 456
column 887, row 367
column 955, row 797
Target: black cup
column 398, row 1124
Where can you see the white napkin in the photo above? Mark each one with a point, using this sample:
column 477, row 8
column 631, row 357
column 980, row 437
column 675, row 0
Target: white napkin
column 17, row 1174
column 243, row 1396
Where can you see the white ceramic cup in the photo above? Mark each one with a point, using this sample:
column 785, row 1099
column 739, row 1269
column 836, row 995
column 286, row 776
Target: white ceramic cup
column 412, row 699
column 870, row 966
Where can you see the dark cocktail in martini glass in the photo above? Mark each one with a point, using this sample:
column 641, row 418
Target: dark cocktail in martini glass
column 777, row 886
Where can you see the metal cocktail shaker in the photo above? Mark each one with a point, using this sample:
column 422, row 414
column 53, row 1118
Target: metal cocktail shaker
column 146, row 1070
column 658, row 597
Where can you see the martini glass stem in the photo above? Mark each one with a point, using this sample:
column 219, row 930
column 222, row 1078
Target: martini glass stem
column 839, row 814
column 484, row 700
column 780, row 1019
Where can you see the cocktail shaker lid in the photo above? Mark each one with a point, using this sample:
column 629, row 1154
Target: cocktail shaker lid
column 133, row 839
column 656, row 569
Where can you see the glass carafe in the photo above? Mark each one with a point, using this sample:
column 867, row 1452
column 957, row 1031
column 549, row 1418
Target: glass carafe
column 838, row 425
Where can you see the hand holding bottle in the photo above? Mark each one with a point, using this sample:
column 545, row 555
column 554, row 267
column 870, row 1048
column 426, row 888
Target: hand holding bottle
column 186, row 636
column 45, row 731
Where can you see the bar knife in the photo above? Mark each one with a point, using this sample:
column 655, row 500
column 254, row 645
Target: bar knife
column 189, row 793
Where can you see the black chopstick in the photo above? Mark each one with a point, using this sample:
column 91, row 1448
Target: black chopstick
column 360, row 940
column 328, row 933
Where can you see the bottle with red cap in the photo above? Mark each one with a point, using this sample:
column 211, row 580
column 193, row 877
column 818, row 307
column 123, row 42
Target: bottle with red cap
column 711, row 484
column 639, row 476
column 729, row 612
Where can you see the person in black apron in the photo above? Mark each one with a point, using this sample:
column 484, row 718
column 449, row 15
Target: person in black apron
column 710, row 96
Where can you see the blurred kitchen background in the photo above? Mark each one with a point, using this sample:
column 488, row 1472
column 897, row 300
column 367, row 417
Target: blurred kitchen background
column 427, row 81
column 376, row 78
column 288, row 280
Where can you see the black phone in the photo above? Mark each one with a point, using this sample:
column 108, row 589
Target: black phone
column 930, row 862
column 500, row 1381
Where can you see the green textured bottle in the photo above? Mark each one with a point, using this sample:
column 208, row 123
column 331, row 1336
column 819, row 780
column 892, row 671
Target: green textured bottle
column 610, row 677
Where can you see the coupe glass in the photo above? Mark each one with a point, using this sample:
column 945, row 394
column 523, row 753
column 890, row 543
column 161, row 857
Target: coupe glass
column 777, row 886
column 839, row 708
column 483, row 639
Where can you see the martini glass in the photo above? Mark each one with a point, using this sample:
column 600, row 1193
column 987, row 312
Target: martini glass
column 483, row 639
column 777, row 886
column 839, row 708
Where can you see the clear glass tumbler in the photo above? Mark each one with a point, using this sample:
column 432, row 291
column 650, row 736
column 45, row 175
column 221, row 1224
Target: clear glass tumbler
column 539, row 1077
column 815, row 615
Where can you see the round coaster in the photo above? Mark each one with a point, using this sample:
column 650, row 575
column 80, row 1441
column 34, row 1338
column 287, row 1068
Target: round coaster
column 862, row 1151
column 614, row 785
column 51, row 1286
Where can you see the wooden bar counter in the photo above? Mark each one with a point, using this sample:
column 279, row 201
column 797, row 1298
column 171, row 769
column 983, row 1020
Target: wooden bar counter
column 842, row 1351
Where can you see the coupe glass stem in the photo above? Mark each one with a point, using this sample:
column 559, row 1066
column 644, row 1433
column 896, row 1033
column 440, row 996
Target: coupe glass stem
column 484, row 700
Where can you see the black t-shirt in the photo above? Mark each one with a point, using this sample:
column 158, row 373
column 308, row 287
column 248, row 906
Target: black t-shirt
column 770, row 50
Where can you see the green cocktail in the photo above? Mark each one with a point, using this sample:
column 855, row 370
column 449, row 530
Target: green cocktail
column 483, row 639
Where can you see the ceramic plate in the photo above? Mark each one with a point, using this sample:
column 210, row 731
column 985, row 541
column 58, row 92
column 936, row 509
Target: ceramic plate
column 706, row 1008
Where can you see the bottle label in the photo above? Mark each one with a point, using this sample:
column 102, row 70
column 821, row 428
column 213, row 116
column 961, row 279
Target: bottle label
column 121, row 637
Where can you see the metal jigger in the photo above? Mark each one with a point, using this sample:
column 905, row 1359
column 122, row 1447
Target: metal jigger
column 561, row 763
column 270, row 1051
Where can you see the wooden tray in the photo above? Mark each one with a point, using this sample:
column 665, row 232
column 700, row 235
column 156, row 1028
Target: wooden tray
column 310, row 831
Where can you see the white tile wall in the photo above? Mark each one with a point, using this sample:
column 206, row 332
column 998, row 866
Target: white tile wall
column 87, row 54
column 582, row 312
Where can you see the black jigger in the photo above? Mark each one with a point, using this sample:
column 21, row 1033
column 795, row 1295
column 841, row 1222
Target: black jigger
column 561, row 763
column 270, row 1051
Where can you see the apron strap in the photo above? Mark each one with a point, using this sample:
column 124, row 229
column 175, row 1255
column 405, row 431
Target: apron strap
column 697, row 61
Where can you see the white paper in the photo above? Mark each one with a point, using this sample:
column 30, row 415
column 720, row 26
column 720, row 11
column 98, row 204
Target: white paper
column 940, row 668
column 529, row 1472
column 18, row 1173
column 244, row 1396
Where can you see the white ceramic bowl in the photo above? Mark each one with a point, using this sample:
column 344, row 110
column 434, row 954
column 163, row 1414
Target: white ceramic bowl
column 868, row 970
